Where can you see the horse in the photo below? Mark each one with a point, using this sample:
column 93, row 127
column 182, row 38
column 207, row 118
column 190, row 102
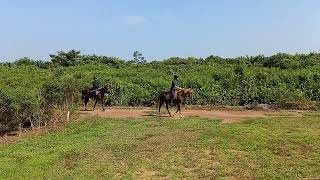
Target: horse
column 181, row 94
column 87, row 93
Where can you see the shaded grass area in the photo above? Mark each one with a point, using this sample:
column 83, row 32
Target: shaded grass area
column 285, row 148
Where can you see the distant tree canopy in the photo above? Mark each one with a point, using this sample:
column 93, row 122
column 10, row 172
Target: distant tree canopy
column 24, row 61
column 138, row 58
column 74, row 57
column 66, row 59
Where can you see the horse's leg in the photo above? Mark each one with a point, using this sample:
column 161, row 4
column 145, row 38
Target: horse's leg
column 102, row 102
column 95, row 104
column 176, row 111
column 86, row 100
column 167, row 107
column 179, row 108
column 160, row 105
column 178, row 103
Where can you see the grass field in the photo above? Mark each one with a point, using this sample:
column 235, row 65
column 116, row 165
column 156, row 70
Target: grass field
column 195, row 148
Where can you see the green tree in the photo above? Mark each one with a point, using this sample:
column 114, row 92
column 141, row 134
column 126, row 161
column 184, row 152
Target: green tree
column 66, row 59
column 138, row 58
column 25, row 61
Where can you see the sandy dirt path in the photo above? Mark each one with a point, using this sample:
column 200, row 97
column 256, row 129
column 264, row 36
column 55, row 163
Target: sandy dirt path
column 227, row 116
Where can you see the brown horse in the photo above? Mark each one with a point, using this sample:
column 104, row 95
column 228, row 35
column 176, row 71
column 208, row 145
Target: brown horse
column 181, row 94
column 88, row 93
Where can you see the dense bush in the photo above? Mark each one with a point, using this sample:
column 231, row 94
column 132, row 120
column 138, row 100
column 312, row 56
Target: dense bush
column 32, row 91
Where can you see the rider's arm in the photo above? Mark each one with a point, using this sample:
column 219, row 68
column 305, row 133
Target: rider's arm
column 173, row 85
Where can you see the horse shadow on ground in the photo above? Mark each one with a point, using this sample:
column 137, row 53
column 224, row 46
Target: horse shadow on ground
column 148, row 114
column 86, row 110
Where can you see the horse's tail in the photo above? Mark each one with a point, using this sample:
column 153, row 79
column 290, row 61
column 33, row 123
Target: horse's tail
column 83, row 96
column 161, row 95
column 162, row 98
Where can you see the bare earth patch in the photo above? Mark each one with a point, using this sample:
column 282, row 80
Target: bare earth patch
column 146, row 174
column 227, row 116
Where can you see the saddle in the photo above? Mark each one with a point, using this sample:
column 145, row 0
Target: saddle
column 95, row 91
column 92, row 90
column 170, row 95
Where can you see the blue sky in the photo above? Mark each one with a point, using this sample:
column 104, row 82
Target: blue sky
column 159, row 29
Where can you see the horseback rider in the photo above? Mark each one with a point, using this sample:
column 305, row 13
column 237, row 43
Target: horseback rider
column 95, row 85
column 174, row 87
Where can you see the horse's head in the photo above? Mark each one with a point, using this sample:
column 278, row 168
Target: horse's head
column 188, row 92
column 107, row 88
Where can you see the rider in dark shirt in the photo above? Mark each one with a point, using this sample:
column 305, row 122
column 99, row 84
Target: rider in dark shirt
column 174, row 87
column 95, row 85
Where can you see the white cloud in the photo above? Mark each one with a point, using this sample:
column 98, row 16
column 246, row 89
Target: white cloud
column 133, row 20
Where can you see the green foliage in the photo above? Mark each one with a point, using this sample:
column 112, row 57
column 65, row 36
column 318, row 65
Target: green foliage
column 66, row 58
column 25, row 61
column 41, row 87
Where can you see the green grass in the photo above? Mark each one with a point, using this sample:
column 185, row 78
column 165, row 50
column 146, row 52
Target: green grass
column 282, row 148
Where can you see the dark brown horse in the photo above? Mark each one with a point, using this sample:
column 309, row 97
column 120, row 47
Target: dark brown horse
column 181, row 94
column 88, row 93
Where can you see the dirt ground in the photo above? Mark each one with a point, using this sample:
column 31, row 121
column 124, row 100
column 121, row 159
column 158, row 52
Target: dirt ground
column 226, row 115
